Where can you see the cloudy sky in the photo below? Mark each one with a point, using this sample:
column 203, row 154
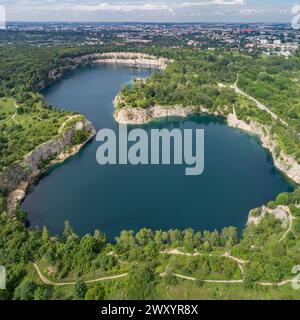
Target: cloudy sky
column 150, row 10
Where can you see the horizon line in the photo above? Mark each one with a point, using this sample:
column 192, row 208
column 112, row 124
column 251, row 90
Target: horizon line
column 152, row 22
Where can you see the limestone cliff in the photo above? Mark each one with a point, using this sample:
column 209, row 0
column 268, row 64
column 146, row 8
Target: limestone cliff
column 141, row 115
column 134, row 59
column 281, row 213
column 285, row 163
column 21, row 174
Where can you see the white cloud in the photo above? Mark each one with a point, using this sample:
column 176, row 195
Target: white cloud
column 147, row 10
column 153, row 6
column 122, row 7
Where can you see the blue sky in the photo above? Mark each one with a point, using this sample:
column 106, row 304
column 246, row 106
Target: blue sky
column 150, row 10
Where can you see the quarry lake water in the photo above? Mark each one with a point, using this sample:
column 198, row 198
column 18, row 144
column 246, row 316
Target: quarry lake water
column 239, row 174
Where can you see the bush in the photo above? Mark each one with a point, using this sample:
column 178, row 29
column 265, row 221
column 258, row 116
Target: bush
column 199, row 283
column 170, row 280
column 296, row 226
column 95, row 293
column 80, row 289
column 271, row 205
column 283, row 199
column 25, row 291
column 79, row 137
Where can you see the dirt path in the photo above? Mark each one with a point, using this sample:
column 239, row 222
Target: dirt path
column 65, row 123
column 279, row 284
column 179, row 253
column 265, row 284
column 15, row 114
column 238, row 261
column 208, row 281
column 289, row 229
column 52, row 283
column 258, row 104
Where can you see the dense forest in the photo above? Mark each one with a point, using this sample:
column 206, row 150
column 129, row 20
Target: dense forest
column 150, row 264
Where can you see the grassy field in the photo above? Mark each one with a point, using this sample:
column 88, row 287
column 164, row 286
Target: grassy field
column 189, row 290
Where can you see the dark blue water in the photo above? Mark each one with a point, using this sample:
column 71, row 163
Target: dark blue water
column 239, row 174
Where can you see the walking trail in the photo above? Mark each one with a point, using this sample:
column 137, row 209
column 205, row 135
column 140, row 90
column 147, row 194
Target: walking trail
column 289, row 229
column 52, row 283
column 15, row 114
column 258, row 104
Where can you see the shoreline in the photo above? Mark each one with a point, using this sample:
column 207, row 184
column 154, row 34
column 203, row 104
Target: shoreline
column 131, row 59
column 142, row 116
column 286, row 164
column 18, row 192
column 25, row 173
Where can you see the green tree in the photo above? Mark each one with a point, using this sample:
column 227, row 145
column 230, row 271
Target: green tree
column 95, row 293
column 26, row 290
column 283, row 199
column 140, row 282
column 42, row 293
column 80, row 289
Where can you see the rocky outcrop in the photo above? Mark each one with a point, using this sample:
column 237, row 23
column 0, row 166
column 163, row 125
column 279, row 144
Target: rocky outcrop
column 21, row 174
column 141, row 115
column 280, row 213
column 132, row 59
column 144, row 115
column 285, row 163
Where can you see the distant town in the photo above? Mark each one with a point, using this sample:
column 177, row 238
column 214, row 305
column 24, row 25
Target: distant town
column 269, row 39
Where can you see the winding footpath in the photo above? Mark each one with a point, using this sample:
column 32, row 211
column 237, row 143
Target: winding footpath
column 289, row 229
column 65, row 123
column 239, row 262
column 15, row 114
column 258, row 104
column 52, row 283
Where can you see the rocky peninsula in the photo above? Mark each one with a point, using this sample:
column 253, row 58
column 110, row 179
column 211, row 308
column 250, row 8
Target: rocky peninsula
column 18, row 177
column 136, row 116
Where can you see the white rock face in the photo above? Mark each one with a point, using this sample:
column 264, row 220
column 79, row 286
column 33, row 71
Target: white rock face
column 145, row 115
column 281, row 213
column 132, row 59
column 141, row 115
column 21, row 174
column 283, row 162
column 15, row 198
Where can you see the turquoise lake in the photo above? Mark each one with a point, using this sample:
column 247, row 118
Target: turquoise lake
column 239, row 174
